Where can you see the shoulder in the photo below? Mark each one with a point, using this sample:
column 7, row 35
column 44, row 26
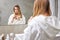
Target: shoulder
column 52, row 20
column 11, row 15
column 39, row 18
column 33, row 21
column 23, row 15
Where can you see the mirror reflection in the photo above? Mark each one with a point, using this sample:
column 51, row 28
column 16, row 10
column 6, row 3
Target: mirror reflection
column 7, row 12
column 17, row 17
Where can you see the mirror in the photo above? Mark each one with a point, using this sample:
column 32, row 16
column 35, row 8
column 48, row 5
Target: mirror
column 6, row 9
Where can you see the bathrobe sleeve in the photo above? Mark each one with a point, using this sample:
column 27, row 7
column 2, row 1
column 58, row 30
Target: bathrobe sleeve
column 50, row 28
column 10, row 20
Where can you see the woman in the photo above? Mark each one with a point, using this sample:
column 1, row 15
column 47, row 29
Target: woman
column 17, row 17
column 39, row 8
column 42, row 25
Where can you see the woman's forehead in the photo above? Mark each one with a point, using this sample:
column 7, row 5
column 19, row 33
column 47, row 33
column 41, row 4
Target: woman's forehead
column 16, row 8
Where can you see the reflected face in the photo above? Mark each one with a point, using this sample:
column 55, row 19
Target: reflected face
column 16, row 10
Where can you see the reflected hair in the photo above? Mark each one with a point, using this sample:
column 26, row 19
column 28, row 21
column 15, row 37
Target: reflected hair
column 18, row 10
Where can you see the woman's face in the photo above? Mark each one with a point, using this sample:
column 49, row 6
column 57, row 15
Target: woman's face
column 16, row 10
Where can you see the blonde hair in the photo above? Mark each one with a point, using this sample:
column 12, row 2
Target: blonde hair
column 40, row 7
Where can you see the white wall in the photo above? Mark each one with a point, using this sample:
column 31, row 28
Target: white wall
column 59, row 9
column 52, row 6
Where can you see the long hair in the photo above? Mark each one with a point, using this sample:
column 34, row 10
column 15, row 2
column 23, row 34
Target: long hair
column 40, row 7
column 18, row 10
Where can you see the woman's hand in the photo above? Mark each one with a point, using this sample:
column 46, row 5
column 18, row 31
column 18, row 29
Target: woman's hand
column 13, row 19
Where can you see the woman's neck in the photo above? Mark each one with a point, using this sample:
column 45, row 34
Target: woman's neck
column 46, row 14
column 16, row 15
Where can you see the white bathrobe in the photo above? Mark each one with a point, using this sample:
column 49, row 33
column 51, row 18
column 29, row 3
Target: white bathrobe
column 41, row 28
column 21, row 21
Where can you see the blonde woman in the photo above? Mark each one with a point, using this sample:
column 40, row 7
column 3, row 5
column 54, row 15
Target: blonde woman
column 42, row 26
column 17, row 17
column 39, row 8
